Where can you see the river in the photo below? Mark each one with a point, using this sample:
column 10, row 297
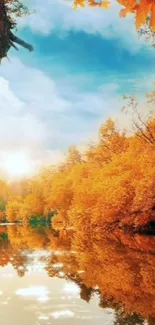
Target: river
column 49, row 277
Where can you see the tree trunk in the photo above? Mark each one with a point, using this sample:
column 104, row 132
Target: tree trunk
column 7, row 38
column 4, row 31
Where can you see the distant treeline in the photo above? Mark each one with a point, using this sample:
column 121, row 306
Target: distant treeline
column 110, row 185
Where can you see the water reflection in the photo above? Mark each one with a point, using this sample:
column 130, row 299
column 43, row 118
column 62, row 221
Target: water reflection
column 49, row 277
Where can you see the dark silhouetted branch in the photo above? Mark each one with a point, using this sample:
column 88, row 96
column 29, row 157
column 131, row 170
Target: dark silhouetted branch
column 19, row 41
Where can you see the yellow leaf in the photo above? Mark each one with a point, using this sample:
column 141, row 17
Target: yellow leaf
column 80, row 3
column 105, row 4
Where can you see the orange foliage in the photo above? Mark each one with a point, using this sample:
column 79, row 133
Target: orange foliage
column 120, row 269
column 114, row 184
column 143, row 10
column 111, row 185
column 91, row 3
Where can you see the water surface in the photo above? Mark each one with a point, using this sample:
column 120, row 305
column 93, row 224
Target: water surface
column 49, row 277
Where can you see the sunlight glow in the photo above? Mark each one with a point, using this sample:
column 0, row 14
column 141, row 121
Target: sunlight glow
column 17, row 164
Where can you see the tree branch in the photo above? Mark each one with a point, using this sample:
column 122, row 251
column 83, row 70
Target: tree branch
column 19, row 41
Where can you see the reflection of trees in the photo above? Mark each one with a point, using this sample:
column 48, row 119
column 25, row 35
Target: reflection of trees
column 19, row 262
column 151, row 320
column 27, row 237
column 133, row 319
column 108, row 303
column 4, row 257
column 120, row 271
column 120, row 317
column 123, row 274
column 85, row 293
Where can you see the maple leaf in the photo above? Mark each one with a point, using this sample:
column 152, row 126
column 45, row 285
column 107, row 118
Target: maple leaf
column 80, row 3
column 152, row 20
column 105, row 4
column 123, row 13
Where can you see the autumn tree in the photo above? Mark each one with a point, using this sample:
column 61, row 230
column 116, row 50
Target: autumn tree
column 112, row 186
column 109, row 186
column 73, row 156
column 144, row 11
column 111, row 141
column 12, row 209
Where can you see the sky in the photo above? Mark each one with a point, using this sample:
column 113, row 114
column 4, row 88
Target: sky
column 83, row 62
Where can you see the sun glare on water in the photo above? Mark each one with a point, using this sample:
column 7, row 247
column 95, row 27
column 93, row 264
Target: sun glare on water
column 17, row 164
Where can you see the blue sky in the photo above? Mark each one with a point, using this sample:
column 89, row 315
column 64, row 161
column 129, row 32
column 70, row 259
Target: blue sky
column 84, row 61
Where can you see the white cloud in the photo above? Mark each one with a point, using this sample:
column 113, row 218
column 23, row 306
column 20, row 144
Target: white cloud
column 35, row 116
column 22, row 127
column 16, row 120
column 58, row 15
column 29, row 110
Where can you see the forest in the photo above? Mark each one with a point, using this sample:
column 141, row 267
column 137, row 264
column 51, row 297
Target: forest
column 109, row 186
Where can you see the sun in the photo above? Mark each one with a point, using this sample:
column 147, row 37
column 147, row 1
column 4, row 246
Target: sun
column 17, row 164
